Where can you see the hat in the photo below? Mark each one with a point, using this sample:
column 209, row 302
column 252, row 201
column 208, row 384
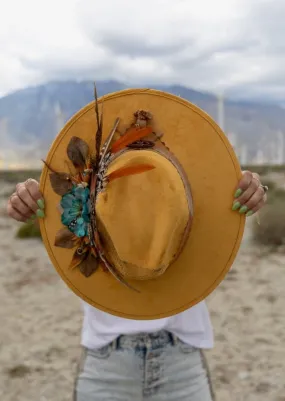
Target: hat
column 138, row 188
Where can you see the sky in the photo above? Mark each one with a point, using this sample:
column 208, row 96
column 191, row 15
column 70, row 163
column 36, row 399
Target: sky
column 234, row 47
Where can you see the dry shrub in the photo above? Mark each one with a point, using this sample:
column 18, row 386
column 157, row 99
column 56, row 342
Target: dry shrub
column 29, row 230
column 271, row 231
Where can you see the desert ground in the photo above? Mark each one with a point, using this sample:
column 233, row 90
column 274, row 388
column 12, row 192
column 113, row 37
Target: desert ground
column 41, row 323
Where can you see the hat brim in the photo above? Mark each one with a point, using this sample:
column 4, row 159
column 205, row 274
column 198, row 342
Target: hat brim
column 216, row 233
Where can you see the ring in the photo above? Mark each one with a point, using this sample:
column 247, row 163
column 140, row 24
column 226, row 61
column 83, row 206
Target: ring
column 265, row 188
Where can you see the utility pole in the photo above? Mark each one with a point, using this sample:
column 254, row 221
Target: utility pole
column 221, row 111
column 280, row 148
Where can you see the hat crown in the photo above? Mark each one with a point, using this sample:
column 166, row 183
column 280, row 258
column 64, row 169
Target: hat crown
column 145, row 219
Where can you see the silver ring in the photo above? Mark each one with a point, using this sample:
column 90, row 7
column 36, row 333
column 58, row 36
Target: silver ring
column 265, row 188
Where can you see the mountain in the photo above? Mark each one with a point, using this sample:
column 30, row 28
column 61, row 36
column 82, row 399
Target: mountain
column 30, row 118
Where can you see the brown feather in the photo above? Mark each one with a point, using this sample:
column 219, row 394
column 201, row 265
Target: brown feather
column 99, row 132
column 131, row 170
column 77, row 151
column 89, row 265
column 78, row 258
column 132, row 135
column 93, row 183
column 60, row 183
column 65, row 239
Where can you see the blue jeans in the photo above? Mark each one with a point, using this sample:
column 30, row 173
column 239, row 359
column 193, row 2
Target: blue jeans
column 151, row 367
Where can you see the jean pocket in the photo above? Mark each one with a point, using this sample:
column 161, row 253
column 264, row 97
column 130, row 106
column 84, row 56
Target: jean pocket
column 186, row 348
column 102, row 353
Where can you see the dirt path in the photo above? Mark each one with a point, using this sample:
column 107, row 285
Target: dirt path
column 41, row 322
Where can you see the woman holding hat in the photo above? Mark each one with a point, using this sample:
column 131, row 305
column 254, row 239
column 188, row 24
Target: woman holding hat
column 145, row 231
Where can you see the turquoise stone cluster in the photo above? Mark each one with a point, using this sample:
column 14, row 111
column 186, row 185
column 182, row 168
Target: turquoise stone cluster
column 76, row 210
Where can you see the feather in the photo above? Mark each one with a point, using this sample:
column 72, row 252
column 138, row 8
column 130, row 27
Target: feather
column 109, row 139
column 48, row 166
column 96, row 106
column 93, row 184
column 60, row 182
column 78, row 257
column 131, row 170
column 60, row 208
column 89, row 265
column 65, row 239
column 99, row 132
column 132, row 135
column 77, row 151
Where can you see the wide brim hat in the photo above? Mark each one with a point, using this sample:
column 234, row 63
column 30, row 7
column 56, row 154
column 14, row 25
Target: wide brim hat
column 164, row 234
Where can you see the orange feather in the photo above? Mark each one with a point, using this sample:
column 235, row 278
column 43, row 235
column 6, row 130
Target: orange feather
column 132, row 135
column 131, row 170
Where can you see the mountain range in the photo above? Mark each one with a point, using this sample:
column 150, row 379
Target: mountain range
column 30, row 119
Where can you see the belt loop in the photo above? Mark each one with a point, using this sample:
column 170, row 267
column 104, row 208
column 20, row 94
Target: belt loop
column 117, row 342
column 174, row 339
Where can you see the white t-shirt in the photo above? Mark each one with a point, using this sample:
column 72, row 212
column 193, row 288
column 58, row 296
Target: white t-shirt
column 192, row 326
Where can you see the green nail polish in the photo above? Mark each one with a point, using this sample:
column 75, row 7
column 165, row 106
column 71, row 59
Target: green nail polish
column 243, row 209
column 250, row 213
column 40, row 213
column 33, row 217
column 41, row 203
column 238, row 193
column 236, row 206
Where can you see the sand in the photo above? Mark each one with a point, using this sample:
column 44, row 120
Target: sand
column 41, row 323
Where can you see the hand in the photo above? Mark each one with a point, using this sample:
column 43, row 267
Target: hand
column 250, row 195
column 26, row 202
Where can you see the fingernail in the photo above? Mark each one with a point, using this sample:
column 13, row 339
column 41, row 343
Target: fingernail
column 236, row 206
column 238, row 193
column 243, row 209
column 250, row 213
column 41, row 203
column 33, row 217
column 40, row 213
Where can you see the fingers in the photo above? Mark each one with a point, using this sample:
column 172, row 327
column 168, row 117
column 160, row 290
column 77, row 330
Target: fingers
column 25, row 198
column 27, row 201
column 33, row 195
column 257, row 207
column 244, row 183
column 250, row 196
column 12, row 210
column 18, row 206
column 252, row 186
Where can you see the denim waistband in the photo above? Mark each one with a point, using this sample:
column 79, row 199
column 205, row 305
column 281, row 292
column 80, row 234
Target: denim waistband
column 145, row 340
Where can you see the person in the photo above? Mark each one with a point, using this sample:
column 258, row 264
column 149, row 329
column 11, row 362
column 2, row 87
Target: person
column 159, row 359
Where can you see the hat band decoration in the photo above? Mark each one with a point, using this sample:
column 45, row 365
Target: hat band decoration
column 80, row 191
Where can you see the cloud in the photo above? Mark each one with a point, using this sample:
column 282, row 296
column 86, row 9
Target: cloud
column 234, row 46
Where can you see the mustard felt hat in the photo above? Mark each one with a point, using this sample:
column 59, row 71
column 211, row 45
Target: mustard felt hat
column 138, row 189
